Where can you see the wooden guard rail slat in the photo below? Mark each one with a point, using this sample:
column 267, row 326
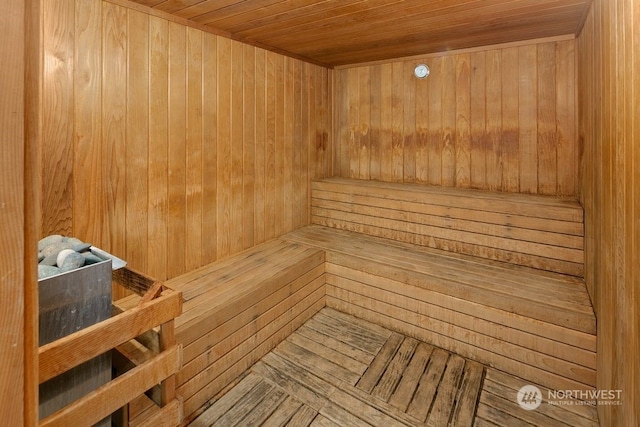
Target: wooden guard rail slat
column 157, row 308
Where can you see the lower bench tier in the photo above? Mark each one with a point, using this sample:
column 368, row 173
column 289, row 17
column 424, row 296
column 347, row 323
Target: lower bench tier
column 534, row 324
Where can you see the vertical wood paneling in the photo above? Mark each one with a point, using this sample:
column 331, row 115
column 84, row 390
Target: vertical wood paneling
column 158, row 210
column 547, row 143
column 270, row 147
column 17, row 384
column 494, row 121
column 279, row 147
column 510, row 147
column 435, row 122
column 209, row 242
column 114, row 128
column 88, row 188
column 397, row 122
column 448, row 153
column 609, row 92
column 188, row 147
column 463, row 127
column 177, row 226
column 237, row 148
column 409, row 124
column 478, row 154
column 288, row 161
column 498, row 119
column 58, row 122
column 260, row 153
column 225, row 188
column 137, row 150
column 248, row 144
column 528, row 123
column 194, row 150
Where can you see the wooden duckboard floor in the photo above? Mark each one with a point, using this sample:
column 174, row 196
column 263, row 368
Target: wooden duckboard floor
column 337, row 370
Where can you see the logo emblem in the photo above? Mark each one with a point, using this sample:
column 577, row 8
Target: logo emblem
column 529, row 397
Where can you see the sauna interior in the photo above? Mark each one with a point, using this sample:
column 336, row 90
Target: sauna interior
column 271, row 169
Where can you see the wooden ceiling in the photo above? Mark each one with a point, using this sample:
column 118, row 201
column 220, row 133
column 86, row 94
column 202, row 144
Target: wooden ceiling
column 340, row 32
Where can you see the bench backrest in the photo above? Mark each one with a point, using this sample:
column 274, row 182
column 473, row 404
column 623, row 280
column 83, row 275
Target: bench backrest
column 537, row 231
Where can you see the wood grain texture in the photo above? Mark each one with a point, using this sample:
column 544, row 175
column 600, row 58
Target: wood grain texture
column 519, row 229
column 17, row 314
column 491, row 312
column 349, row 31
column 499, row 119
column 609, row 89
column 181, row 146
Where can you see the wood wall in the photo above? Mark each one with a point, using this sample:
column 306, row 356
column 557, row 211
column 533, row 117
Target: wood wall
column 14, row 316
column 609, row 86
column 169, row 146
column 494, row 118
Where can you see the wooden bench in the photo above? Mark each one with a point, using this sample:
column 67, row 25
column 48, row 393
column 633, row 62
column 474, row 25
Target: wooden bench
column 536, row 231
column 534, row 324
column 238, row 309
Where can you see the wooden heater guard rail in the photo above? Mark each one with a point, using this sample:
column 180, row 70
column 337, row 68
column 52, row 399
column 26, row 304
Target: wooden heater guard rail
column 158, row 307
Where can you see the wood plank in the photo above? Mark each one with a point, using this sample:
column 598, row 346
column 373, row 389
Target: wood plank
column 21, row 65
column 429, row 382
column 264, row 409
column 554, row 346
column 442, row 406
column 464, row 410
column 303, row 417
column 323, row 198
column 360, row 341
column 236, row 141
column 244, row 405
column 328, row 353
column 158, row 160
column 201, row 366
column 509, row 144
column 195, row 151
column 309, row 360
column 57, row 100
column 284, row 412
column 227, row 401
column 256, row 314
column 559, row 208
column 95, row 406
column 405, row 390
column 243, row 357
column 334, row 343
column 295, row 380
column 507, row 364
column 380, row 363
column 65, row 353
column 576, row 317
column 547, row 152
column 395, row 370
column 587, row 414
column 114, row 96
column 87, row 144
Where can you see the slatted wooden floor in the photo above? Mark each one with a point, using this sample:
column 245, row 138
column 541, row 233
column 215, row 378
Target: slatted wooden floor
column 337, row 370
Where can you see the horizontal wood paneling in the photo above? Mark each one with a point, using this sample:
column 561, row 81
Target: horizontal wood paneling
column 537, row 325
column 609, row 86
column 501, row 119
column 172, row 147
column 531, row 230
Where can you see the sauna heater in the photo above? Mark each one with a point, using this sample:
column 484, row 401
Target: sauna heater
column 69, row 302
